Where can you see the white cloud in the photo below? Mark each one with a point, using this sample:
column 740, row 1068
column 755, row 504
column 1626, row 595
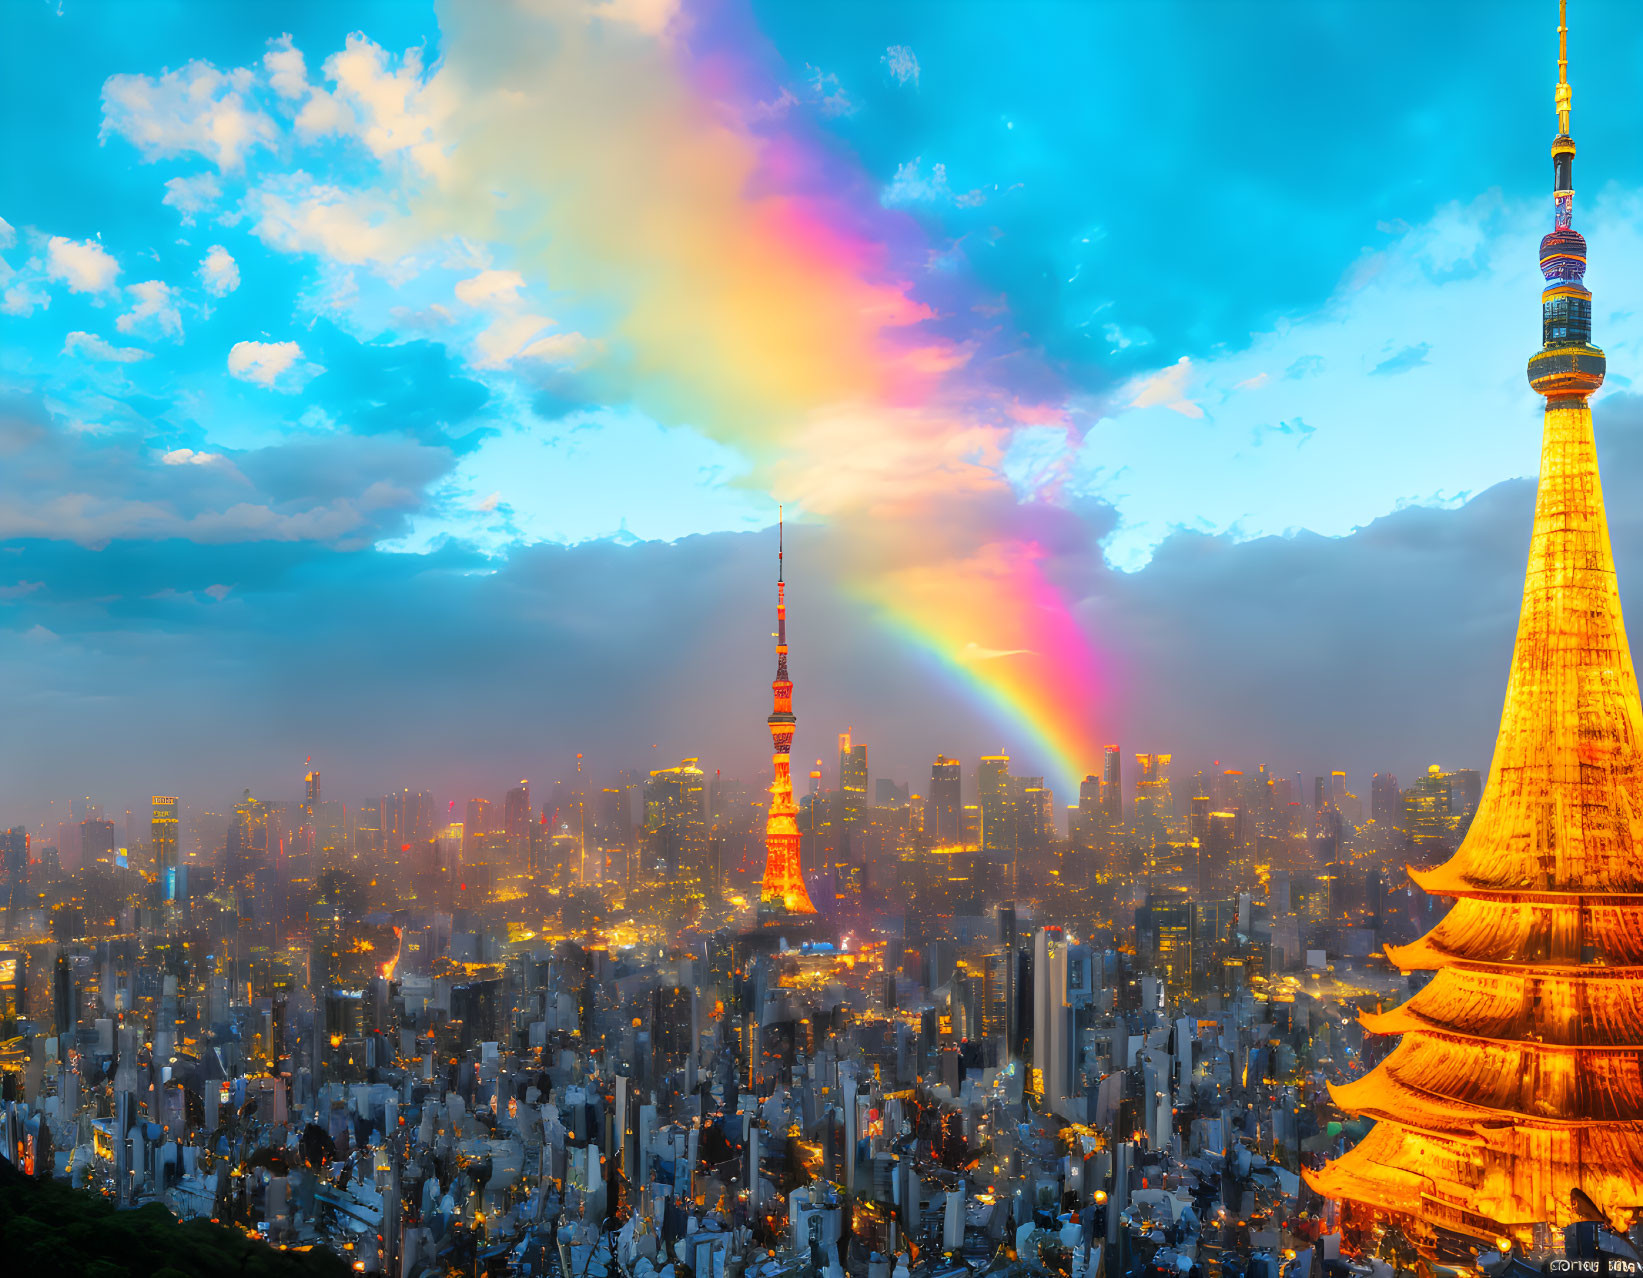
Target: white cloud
column 491, row 289
column 560, row 348
column 196, row 109
column 903, row 64
column 297, row 215
column 188, row 457
column 828, row 93
column 155, row 311
column 512, row 337
column 219, row 272
column 191, row 195
column 81, row 264
column 1168, row 388
column 91, row 346
column 8, row 236
column 287, row 70
column 391, row 109
column 648, row 17
column 320, row 114
column 911, row 186
column 261, row 363
column 21, row 299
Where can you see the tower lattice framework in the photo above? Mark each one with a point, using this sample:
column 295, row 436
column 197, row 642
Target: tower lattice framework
column 783, row 890
column 1519, row 1077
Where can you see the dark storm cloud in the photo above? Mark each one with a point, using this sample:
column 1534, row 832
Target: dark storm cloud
column 59, row 483
column 1386, row 649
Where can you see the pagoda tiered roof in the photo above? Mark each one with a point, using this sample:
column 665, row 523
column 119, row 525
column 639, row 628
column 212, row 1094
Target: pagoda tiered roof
column 1519, row 1077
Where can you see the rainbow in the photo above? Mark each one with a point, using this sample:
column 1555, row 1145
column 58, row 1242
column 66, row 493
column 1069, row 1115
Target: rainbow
column 1002, row 633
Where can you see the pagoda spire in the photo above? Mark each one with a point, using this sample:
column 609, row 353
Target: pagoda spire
column 783, row 890
column 1519, row 1077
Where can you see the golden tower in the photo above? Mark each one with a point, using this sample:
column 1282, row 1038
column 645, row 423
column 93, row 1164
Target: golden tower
column 783, row 891
column 1519, row 1077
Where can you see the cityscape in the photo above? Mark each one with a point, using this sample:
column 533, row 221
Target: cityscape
column 1086, row 1007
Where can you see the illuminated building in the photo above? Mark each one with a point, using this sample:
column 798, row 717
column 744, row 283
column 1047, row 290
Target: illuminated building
column 1152, row 787
column 1430, row 818
column 997, row 828
column 96, row 841
column 1112, row 793
column 783, row 890
column 1032, row 805
column 852, row 778
column 1165, row 928
column 1089, row 818
column 14, row 844
column 1519, row 1077
column 163, row 836
column 944, row 825
column 14, row 966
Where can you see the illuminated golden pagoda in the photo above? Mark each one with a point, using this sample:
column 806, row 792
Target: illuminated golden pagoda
column 1519, row 1077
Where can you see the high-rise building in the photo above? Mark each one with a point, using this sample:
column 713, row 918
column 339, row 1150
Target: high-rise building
column 944, row 826
column 782, row 890
column 675, row 838
column 1429, row 816
column 516, row 810
column 1090, row 817
column 997, row 826
column 163, row 839
column 1513, row 1102
column 1386, row 800
column 1152, row 787
column 14, row 857
column 852, row 777
column 1112, row 791
column 96, row 841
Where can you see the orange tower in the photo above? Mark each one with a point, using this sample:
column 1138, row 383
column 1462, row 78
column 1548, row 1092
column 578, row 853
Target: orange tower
column 1515, row 1097
column 783, row 890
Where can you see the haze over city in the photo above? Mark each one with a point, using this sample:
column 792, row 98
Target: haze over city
column 721, row 639
column 313, row 455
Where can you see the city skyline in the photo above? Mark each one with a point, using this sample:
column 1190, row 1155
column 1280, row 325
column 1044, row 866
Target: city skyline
column 1198, row 873
column 391, row 549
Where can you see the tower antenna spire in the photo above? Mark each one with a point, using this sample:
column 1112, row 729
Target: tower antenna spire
column 1563, row 93
column 781, row 538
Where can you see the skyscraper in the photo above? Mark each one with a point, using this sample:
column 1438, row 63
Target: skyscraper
column 516, row 810
column 1152, row 787
column 1112, row 789
column 1385, row 800
column 946, row 802
column 163, row 837
column 852, row 777
column 1519, row 1078
column 676, row 831
column 997, row 828
column 782, row 890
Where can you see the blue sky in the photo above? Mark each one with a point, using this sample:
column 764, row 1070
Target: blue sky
column 310, row 342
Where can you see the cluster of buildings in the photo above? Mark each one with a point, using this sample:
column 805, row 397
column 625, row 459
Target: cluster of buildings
column 1220, row 1025
column 679, row 1025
